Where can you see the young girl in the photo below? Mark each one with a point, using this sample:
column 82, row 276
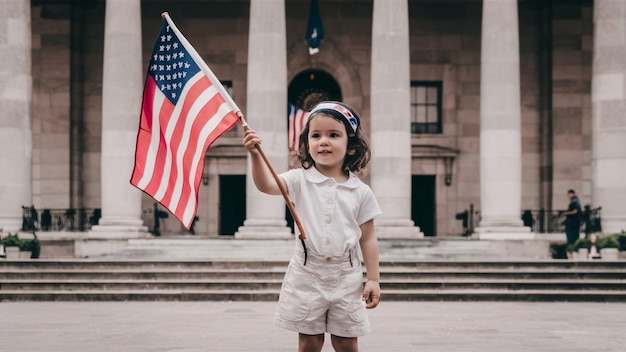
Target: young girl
column 323, row 287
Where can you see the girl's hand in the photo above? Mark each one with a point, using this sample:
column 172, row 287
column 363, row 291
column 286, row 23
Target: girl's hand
column 371, row 294
column 251, row 140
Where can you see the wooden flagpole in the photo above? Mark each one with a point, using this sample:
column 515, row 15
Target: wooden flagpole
column 283, row 191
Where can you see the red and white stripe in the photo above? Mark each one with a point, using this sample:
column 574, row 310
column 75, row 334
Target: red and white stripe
column 173, row 140
column 297, row 121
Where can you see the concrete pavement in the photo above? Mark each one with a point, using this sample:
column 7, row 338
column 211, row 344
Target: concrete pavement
column 248, row 326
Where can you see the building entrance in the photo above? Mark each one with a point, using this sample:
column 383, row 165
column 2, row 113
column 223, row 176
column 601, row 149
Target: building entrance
column 232, row 203
column 423, row 206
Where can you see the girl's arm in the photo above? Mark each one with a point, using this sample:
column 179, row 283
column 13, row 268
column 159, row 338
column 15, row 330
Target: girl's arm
column 369, row 248
column 260, row 174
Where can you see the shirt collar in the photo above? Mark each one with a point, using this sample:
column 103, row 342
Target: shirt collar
column 313, row 175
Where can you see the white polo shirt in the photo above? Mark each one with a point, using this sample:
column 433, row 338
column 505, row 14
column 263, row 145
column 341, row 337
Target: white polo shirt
column 331, row 213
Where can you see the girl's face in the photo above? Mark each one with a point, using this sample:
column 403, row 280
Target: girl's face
column 328, row 144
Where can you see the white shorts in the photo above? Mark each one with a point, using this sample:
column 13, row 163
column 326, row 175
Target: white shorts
column 325, row 295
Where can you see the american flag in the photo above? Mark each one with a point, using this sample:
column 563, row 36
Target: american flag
column 185, row 109
column 296, row 121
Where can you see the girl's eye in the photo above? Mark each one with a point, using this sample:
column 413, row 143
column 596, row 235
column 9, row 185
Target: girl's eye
column 334, row 134
column 314, row 135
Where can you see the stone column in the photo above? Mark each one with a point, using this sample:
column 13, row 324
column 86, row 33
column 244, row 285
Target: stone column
column 608, row 96
column 391, row 120
column 122, row 89
column 15, row 123
column 266, row 110
column 500, row 124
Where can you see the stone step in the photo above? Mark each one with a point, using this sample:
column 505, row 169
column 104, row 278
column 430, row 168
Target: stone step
column 281, row 264
column 132, row 279
column 504, row 295
column 549, row 274
column 272, row 295
column 91, row 264
column 115, row 285
column 257, row 284
column 387, row 273
column 211, row 248
column 511, row 284
column 139, row 295
column 505, row 264
column 411, row 249
column 141, row 274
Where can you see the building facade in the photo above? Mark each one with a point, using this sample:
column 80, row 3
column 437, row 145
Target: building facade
column 499, row 104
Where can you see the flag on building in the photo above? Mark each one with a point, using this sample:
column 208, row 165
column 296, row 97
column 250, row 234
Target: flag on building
column 296, row 121
column 314, row 30
column 184, row 110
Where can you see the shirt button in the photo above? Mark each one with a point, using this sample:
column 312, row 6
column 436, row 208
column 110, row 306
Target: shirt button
column 329, row 201
column 328, row 220
column 328, row 259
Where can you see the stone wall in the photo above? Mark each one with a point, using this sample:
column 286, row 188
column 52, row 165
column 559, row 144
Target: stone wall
column 572, row 45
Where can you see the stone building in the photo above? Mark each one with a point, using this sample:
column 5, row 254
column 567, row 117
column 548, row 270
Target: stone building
column 502, row 104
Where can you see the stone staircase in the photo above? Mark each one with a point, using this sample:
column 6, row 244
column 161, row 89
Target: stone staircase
column 259, row 280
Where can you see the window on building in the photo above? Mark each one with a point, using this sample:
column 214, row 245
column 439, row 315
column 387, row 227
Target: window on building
column 425, row 107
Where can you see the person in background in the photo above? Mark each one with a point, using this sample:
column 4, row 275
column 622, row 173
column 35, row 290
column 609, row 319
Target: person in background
column 572, row 219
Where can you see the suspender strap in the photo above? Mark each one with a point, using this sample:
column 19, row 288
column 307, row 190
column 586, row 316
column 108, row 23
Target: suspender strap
column 305, row 252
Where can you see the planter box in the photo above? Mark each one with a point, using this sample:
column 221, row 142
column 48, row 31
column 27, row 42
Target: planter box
column 12, row 252
column 621, row 255
column 609, row 253
column 25, row 254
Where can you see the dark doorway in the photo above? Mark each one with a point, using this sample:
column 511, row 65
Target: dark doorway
column 312, row 86
column 423, row 203
column 290, row 221
column 232, row 203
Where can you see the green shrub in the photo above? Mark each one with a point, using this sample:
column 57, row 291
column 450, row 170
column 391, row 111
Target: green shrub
column 11, row 240
column 32, row 245
column 580, row 243
column 608, row 241
column 621, row 238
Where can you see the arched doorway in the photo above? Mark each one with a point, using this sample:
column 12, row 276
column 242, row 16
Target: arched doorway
column 311, row 86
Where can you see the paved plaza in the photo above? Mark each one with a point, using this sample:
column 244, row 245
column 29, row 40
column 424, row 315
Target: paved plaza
column 248, row 326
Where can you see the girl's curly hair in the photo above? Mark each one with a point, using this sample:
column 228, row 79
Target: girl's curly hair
column 358, row 142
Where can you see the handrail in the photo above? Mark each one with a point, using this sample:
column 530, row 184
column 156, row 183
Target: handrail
column 68, row 219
